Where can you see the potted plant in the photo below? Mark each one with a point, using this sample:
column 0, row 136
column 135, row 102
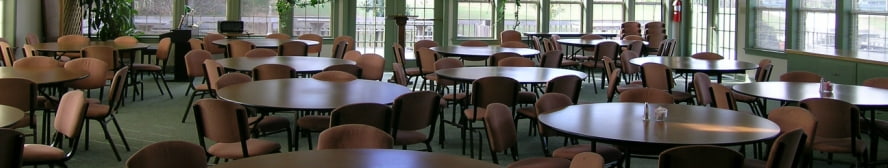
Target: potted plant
column 112, row 18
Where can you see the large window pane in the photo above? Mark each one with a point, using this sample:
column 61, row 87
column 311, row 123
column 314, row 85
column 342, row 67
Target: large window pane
column 421, row 27
column 872, row 29
column 260, row 16
column 370, row 26
column 566, row 16
column 770, row 24
column 207, row 14
column 474, row 18
column 648, row 11
column 312, row 19
column 818, row 25
column 699, row 26
column 527, row 16
column 154, row 16
column 607, row 16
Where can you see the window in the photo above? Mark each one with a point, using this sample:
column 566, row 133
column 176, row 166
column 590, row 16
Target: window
column 566, row 16
column 648, row 11
column 154, row 17
column 474, row 19
column 370, row 26
column 872, row 27
column 260, row 16
column 421, row 27
column 607, row 16
column 312, row 19
column 818, row 25
column 528, row 13
column 770, row 24
column 206, row 14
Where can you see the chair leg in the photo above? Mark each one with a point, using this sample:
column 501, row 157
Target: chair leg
column 163, row 79
column 120, row 132
column 188, row 108
column 108, row 137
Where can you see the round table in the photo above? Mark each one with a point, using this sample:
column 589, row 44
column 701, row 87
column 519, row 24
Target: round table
column 484, row 51
column 521, row 74
column 10, row 115
column 263, row 42
column 593, row 43
column 692, row 65
column 299, row 63
column 311, row 94
column 56, row 47
column 797, row 91
column 621, row 123
column 355, row 158
column 42, row 76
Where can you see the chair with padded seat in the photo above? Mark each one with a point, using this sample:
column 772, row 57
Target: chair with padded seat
column 37, row 63
column 707, row 56
column 261, row 52
column 603, row 49
column 633, row 37
column 786, row 151
column 11, row 145
column 838, row 128
column 655, row 42
column 212, row 72
column 426, row 61
column 414, row 112
column 348, row 68
column 630, row 28
column 495, row 58
column 720, row 96
column 658, row 76
column 516, row 62
column 762, row 74
column 127, row 40
column 194, row 69
column 262, row 125
column 225, row 123
column 667, row 47
column 400, row 58
column 29, row 51
column 352, row 55
column 568, row 85
column 278, row 36
column 334, row 76
column 450, row 93
column 486, row 91
column 630, row 71
column 293, row 48
column 349, row 41
column 95, row 79
column 514, row 44
column 104, row 113
column 22, row 94
column 700, row 156
column 587, row 160
column 800, row 76
column 208, row 43
column 273, row 71
column 196, row 44
column 551, row 102
column 158, row 69
column 32, row 39
column 474, row 43
column 372, row 66
column 400, row 77
column 371, row 114
column 238, row 48
column 881, row 126
column 73, row 40
column 501, row 136
column 313, row 37
column 791, row 118
column 339, row 49
column 354, row 136
column 510, row 35
column 67, row 124
column 702, row 92
column 552, row 59
column 169, row 154
column 7, row 54
column 649, row 95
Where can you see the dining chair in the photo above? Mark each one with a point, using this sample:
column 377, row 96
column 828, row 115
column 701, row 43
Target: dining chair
column 22, row 94
column 261, row 52
column 510, row 35
column 32, row 39
column 273, row 71
column 158, row 69
column 259, row 126
column 451, row 93
column 838, row 128
column 414, row 112
column 633, row 37
column 495, row 58
column 313, row 37
column 658, row 76
column 372, row 66
column 501, row 136
column 169, row 154
column 878, row 82
column 372, row 114
column 238, row 48
column 334, row 76
column 762, row 74
column 95, row 79
column 37, row 63
column 208, row 43
column 721, row 97
column 104, row 113
column 278, row 36
column 72, row 40
column 486, row 91
column 700, row 156
column 880, row 125
column 349, row 68
column 354, row 136
column 801, row 76
column 793, row 117
column 707, row 56
column 339, row 49
column 352, row 55
column 348, row 40
column 655, row 28
column 225, row 123
column 424, row 44
column 212, row 72
column 473, row 43
column 552, row 102
column 786, row 151
column 702, row 91
column 400, row 77
column 514, row 44
column 293, row 48
column 564, row 62
column 649, row 95
column 12, row 143
column 587, row 160
column 636, row 46
column 196, row 44
column 67, row 124
column 194, row 69
column 667, row 47
column 631, row 72
column 538, row 45
column 28, row 51
column 655, row 41
column 515, row 62
column 613, row 86
column 400, row 58
column 569, row 85
column 426, row 60
column 630, row 28
column 552, row 59
column 127, row 40
column 107, row 55
column 603, row 49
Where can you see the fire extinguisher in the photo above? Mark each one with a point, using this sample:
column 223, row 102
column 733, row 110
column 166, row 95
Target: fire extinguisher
column 676, row 11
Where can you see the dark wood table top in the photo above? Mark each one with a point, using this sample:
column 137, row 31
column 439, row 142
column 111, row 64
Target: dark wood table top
column 798, row 91
column 521, row 74
column 9, row 115
column 42, row 76
column 311, row 94
column 485, row 51
column 688, row 64
column 56, row 47
column 621, row 123
column 301, row 64
column 592, row 43
column 263, row 42
column 569, row 34
column 357, row 158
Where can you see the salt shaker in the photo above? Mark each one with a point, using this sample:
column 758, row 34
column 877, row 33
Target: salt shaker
column 646, row 115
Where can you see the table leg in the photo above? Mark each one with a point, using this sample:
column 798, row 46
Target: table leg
column 874, row 137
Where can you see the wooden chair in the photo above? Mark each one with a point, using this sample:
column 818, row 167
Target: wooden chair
column 354, row 136
column 225, row 123
column 169, row 154
column 413, row 112
column 261, row 52
column 700, row 156
column 501, row 136
column 273, row 71
column 12, row 145
column 313, row 37
column 68, row 123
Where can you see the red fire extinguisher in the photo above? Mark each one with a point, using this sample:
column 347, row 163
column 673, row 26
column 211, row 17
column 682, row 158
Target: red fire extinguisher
column 676, row 11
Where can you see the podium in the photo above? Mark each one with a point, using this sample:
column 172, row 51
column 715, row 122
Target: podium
column 179, row 38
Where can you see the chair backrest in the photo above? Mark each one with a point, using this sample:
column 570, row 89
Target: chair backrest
column 232, row 79
column 194, row 62
column 334, row 76
column 415, row 111
column 118, row 86
column 353, row 55
column 800, row 76
column 126, row 40
column 501, row 134
column 708, row 56
column 261, row 52
column 658, row 76
column 792, row 117
column 12, row 144
column 722, row 97
column 400, row 76
column 313, row 37
column 655, row 41
column 538, row 44
column 372, row 114
column 164, row 47
column 591, row 37
column 73, row 39
column 607, row 49
column 273, row 71
column 554, row 42
column 196, row 44
column 514, row 44
column 278, row 36
column 763, row 72
column 423, row 44
column 473, row 43
column 238, row 48
column 354, row 136
column 510, row 35
column 208, row 43
column 495, row 58
column 372, row 66
column 19, row 93
column 95, row 69
column 32, row 39
column 649, row 95
column 630, row 28
column 446, row 63
column 515, row 62
column 496, row 89
column 569, row 85
column 666, row 47
column 399, row 53
column 293, row 48
column 613, row 79
column 552, row 59
column 548, row 103
column 880, row 82
column 835, row 118
column 348, row 40
column 222, row 122
column 29, row 50
column 587, row 160
column 635, row 37
column 787, row 149
column 37, row 63
column 339, row 49
column 104, row 53
column 636, row 46
column 426, row 60
column 69, row 119
column 628, row 67
column 701, row 87
column 700, row 156
column 213, row 71
column 655, row 28
column 349, row 68
column 549, row 44
column 169, row 154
